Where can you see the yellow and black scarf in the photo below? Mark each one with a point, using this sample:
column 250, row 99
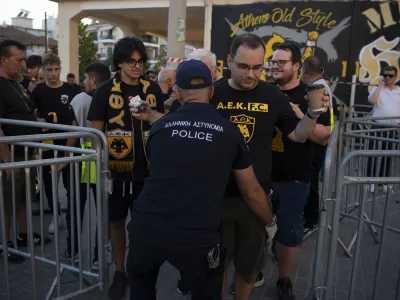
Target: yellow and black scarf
column 120, row 128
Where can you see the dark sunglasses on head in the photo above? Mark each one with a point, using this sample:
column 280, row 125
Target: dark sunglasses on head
column 388, row 75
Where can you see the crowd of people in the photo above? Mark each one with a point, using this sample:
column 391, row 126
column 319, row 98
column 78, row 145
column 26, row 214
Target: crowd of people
column 212, row 170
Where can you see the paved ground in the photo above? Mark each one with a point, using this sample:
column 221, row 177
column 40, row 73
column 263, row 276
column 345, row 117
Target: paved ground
column 21, row 282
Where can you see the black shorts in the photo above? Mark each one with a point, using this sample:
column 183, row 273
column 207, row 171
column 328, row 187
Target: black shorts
column 121, row 199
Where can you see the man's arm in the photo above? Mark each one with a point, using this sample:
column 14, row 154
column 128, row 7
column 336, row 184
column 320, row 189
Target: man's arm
column 254, row 194
column 373, row 98
column 96, row 124
column 147, row 114
column 321, row 133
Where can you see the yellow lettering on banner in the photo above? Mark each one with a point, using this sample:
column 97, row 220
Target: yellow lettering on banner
column 277, row 142
column 118, row 119
column 374, row 18
column 151, row 99
column 259, row 107
column 116, row 101
column 320, row 19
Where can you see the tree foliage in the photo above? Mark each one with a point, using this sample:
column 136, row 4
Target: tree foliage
column 162, row 58
column 88, row 50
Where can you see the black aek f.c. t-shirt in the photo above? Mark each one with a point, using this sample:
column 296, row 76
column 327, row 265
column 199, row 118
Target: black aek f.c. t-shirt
column 53, row 104
column 192, row 154
column 256, row 113
column 291, row 160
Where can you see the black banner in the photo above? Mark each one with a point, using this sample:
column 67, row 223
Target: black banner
column 349, row 37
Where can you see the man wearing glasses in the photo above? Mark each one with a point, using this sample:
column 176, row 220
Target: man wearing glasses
column 127, row 137
column 255, row 107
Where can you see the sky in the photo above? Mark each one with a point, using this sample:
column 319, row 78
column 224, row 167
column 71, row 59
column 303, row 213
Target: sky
column 37, row 8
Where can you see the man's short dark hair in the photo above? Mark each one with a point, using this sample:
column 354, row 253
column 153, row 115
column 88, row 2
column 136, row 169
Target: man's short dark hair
column 123, row 50
column 390, row 68
column 248, row 40
column 5, row 47
column 34, row 61
column 313, row 65
column 294, row 50
column 70, row 75
column 100, row 71
column 51, row 59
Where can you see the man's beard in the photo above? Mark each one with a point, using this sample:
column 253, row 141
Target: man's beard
column 286, row 78
column 18, row 77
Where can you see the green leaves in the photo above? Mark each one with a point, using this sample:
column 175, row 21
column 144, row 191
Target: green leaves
column 87, row 49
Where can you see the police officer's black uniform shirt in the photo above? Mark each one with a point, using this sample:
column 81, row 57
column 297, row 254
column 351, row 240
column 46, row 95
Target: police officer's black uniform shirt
column 255, row 113
column 49, row 102
column 192, row 154
column 293, row 161
column 16, row 106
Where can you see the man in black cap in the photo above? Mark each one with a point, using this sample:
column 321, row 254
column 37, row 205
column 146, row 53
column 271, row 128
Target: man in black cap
column 177, row 215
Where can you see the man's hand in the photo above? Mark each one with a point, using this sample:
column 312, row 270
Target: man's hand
column 271, row 231
column 297, row 110
column 143, row 113
column 381, row 81
column 326, row 100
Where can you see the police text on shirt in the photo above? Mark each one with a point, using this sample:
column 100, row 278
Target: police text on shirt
column 193, row 133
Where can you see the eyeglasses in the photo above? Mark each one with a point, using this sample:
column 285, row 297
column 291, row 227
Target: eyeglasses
column 243, row 68
column 280, row 62
column 388, row 75
column 132, row 63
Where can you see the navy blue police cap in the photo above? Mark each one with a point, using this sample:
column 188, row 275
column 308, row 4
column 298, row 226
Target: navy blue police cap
column 191, row 69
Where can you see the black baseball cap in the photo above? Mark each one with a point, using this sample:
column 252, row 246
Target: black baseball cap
column 191, row 69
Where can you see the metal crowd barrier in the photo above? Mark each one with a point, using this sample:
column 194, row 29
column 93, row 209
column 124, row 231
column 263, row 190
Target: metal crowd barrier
column 362, row 152
column 88, row 281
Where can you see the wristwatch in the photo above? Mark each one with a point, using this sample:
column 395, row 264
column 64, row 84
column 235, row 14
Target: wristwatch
column 273, row 222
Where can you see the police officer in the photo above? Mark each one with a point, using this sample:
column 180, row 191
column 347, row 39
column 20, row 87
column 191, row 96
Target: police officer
column 177, row 215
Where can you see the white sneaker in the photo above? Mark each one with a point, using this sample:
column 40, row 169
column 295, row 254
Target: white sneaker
column 62, row 224
column 372, row 188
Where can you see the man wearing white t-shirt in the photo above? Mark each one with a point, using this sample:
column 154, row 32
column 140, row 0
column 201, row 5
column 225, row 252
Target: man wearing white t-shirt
column 386, row 101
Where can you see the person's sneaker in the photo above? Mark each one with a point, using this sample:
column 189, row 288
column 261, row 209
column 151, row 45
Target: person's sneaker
column 182, row 288
column 385, row 188
column 372, row 188
column 285, row 289
column 259, row 282
column 22, row 240
column 309, row 230
column 117, row 288
column 12, row 258
column 95, row 265
column 62, row 224
column 68, row 255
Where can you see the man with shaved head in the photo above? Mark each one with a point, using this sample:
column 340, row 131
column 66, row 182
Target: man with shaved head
column 166, row 81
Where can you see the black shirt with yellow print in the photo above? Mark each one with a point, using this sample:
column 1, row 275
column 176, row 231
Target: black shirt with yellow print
column 255, row 113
